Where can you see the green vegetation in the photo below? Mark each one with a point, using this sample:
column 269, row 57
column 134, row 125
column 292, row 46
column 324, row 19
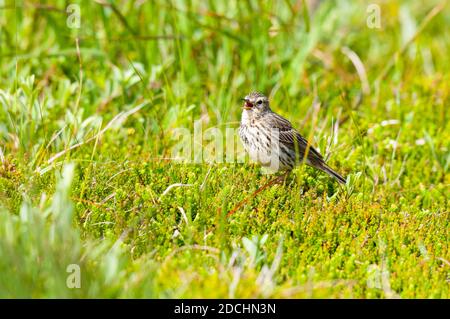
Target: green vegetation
column 88, row 118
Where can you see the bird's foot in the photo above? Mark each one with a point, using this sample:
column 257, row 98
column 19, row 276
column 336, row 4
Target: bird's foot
column 282, row 178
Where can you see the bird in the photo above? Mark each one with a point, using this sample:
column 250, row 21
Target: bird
column 271, row 141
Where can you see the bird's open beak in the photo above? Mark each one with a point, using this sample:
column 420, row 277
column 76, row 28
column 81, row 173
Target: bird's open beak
column 247, row 105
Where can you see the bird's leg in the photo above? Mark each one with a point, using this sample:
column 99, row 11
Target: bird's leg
column 282, row 178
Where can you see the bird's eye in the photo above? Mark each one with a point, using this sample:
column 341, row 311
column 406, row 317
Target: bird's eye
column 259, row 102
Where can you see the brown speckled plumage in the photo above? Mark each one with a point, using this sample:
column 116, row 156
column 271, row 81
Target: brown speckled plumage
column 271, row 140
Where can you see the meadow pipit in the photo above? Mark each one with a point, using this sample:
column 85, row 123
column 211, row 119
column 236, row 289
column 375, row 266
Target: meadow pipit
column 271, row 140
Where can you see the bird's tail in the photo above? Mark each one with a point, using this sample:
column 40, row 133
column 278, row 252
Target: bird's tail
column 327, row 169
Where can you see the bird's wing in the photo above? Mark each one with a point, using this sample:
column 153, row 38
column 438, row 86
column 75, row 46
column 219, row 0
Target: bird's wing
column 288, row 135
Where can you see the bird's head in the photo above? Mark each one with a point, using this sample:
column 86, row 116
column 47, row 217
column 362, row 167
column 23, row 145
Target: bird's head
column 256, row 102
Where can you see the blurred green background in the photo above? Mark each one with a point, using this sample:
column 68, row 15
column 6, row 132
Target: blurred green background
column 92, row 92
